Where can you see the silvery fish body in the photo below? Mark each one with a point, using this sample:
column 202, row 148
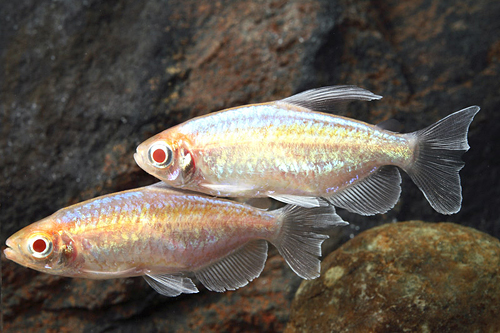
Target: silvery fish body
column 165, row 235
column 287, row 151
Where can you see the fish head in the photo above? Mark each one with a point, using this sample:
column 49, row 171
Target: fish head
column 40, row 246
column 167, row 157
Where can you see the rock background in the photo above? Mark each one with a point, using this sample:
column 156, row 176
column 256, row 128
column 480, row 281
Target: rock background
column 405, row 277
column 83, row 82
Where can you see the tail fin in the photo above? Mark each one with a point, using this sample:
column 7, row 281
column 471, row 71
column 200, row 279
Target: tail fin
column 437, row 160
column 300, row 239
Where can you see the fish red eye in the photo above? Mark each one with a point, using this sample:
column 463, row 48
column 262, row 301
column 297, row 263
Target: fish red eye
column 160, row 155
column 40, row 246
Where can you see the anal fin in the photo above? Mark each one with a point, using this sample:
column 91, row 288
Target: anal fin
column 236, row 269
column 374, row 194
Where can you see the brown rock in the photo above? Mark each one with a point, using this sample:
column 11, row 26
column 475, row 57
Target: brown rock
column 83, row 82
column 405, row 277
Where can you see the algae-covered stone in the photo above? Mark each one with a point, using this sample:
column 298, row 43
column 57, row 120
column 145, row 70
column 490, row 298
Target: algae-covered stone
column 412, row 276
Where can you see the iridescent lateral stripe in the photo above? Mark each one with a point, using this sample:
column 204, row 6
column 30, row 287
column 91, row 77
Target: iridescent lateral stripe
column 167, row 230
column 312, row 152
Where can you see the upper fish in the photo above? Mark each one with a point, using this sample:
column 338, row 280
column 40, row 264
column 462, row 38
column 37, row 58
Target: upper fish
column 291, row 151
column 167, row 235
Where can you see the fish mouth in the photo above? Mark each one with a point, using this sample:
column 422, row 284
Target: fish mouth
column 9, row 252
column 138, row 159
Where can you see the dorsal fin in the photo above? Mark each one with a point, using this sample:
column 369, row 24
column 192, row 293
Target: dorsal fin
column 329, row 98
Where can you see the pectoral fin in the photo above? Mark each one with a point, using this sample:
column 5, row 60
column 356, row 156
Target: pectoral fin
column 227, row 190
column 171, row 285
column 306, row 202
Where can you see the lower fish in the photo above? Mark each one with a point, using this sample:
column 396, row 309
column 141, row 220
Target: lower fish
column 168, row 235
column 292, row 152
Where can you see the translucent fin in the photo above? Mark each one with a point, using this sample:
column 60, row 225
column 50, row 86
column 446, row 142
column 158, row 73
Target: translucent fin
column 437, row 160
column 326, row 98
column 390, row 125
column 237, row 269
column 307, row 202
column 300, row 238
column 224, row 189
column 377, row 193
column 171, row 285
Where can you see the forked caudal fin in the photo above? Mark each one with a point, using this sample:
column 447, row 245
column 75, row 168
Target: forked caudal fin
column 437, row 160
column 300, row 239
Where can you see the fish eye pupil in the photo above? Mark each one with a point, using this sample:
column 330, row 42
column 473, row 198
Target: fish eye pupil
column 159, row 155
column 39, row 245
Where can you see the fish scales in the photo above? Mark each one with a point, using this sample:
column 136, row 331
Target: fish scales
column 180, row 232
column 290, row 151
column 317, row 146
column 163, row 234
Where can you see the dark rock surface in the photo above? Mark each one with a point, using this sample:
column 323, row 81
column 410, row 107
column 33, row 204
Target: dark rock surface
column 83, row 82
column 405, row 277
column 38, row 302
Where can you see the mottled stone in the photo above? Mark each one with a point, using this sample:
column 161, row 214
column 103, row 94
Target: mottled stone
column 405, row 277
